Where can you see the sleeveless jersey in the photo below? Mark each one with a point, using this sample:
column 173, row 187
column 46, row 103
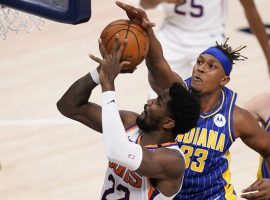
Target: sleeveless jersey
column 194, row 17
column 206, row 149
column 121, row 183
column 263, row 171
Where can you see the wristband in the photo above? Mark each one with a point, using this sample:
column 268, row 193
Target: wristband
column 95, row 75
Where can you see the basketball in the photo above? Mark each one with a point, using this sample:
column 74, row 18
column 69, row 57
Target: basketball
column 137, row 44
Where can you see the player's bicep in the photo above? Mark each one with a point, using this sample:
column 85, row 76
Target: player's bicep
column 162, row 164
column 90, row 115
column 251, row 133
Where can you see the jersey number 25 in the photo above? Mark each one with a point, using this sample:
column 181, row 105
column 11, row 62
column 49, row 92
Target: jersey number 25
column 197, row 10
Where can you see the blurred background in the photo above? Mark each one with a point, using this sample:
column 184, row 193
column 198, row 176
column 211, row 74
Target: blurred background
column 46, row 156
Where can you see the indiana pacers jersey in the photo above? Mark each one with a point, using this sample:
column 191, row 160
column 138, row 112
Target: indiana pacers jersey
column 206, row 149
column 263, row 171
column 121, row 183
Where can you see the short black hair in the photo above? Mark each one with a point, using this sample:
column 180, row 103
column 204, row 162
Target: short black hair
column 232, row 54
column 184, row 108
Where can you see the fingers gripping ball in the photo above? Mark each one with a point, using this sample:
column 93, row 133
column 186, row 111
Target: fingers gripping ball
column 137, row 44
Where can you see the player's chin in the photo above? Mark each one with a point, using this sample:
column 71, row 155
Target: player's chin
column 197, row 88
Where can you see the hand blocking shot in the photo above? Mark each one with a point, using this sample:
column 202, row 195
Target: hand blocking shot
column 145, row 161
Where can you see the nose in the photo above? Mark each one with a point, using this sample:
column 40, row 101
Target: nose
column 201, row 68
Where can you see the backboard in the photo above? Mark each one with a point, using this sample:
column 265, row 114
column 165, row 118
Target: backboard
column 64, row 11
column 28, row 15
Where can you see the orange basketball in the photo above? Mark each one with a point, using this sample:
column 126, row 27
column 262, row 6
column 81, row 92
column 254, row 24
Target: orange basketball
column 137, row 45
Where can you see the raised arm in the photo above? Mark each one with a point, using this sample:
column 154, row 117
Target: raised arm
column 74, row 103
column 257, row 27
column 159, row 72
column 160, row 75
column 161, row 164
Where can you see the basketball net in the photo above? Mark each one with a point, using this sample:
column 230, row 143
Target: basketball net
column 14, row 21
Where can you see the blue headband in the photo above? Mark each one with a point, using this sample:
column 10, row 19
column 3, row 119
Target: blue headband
column 221, row 57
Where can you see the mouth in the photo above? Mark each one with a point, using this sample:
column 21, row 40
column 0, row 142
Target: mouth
column 197, row 79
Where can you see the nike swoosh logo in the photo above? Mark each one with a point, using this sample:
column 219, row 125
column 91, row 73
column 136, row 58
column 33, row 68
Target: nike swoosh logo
column 111, row 101
column 129, row 139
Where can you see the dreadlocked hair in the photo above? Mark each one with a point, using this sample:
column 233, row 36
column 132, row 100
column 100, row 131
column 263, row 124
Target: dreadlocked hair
column 232, row 54
column 184, row 109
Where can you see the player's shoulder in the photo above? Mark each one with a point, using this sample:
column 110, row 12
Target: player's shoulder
column 172, row 158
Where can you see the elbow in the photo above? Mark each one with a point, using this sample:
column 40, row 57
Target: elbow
column 61, row 108
column 64, row 109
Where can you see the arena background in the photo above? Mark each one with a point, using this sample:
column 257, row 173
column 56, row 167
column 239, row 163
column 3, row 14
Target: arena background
column 46, row 156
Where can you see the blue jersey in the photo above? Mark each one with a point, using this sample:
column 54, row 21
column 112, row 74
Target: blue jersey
column 263, row 171
column 206, row 149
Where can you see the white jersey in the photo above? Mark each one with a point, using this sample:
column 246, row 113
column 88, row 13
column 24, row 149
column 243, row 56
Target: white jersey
column 194, row 23
column 189, row 29
column 121, row 183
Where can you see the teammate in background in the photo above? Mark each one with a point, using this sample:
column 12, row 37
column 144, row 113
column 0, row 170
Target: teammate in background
column 144, row 159
column 206, row 147
column 191, row 26
column 259, row 106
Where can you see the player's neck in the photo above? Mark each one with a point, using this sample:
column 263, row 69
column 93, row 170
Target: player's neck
column 209, row 101
column 156, row 137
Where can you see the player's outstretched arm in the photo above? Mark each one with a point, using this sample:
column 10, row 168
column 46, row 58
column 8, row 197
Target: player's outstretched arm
column 257, row 27
column 160, row 74
column 117, row 146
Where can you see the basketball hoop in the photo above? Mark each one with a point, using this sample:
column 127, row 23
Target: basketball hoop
column 15, row 21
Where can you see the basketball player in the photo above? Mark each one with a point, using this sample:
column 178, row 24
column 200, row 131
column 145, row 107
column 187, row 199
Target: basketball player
column 221, row 122
column 192, row 26
column 144, row 159
column 259, row 106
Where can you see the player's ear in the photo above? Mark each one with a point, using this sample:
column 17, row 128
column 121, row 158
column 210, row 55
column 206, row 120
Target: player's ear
column 224, row 80
column 168, row 123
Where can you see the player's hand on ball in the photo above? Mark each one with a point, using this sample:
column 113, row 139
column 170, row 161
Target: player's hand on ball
column 137, row 15
column 111, row 64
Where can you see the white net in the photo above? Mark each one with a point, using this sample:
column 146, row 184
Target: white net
column 14, row 21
